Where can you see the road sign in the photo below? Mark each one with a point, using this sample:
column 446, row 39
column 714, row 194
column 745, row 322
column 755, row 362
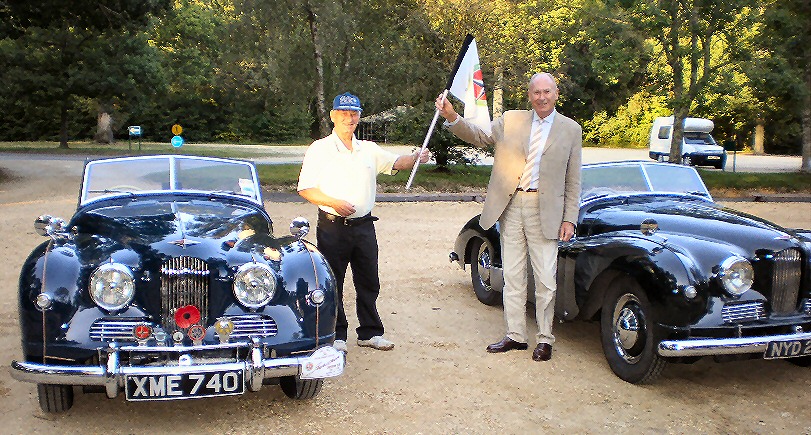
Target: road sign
column 177, row 141
column 177, row 129
column 134, row 130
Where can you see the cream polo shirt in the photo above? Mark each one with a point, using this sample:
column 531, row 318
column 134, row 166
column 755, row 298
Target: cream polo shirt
column 348, row 175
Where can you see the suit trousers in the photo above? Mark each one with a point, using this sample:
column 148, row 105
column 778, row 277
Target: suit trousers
column 355, row 246
column 521, row 236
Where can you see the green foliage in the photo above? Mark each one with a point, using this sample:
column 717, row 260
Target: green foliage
column 245, row 70
column 630, row 125
column 412, row 126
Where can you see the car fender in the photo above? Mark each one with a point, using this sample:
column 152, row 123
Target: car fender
column 54, row 270
column 662, row 273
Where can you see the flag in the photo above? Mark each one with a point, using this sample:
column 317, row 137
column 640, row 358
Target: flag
column 466, row 84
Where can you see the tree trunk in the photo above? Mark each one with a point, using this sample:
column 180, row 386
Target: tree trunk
column 323, row 119
column 498, row 93
column 678, row 134
column 760, row 133
column 805, row 166
column 104, row 126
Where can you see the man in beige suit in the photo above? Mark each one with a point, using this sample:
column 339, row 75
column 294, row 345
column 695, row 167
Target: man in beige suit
column 534, row 192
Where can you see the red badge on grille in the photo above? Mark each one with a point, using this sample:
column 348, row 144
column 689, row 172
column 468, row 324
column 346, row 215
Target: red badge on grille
column 142, row 331
column 187, row 316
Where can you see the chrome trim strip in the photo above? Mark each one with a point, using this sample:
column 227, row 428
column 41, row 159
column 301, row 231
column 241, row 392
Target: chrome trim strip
column 113, row 375
column 723, row 346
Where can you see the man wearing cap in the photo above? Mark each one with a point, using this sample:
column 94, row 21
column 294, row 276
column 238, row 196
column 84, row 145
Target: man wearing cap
column 339, row 175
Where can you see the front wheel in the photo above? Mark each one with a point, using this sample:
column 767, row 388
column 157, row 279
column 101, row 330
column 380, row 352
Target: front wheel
column 627, row 333
column 481, row 271
column 300, row 389
column 687, row 161
column 801, row 361
column 55, row 398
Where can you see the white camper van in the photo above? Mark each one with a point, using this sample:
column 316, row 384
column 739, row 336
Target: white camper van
column 698, row 147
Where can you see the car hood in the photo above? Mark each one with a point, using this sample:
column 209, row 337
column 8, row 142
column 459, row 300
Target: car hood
column 695, row 219
column 198, row 228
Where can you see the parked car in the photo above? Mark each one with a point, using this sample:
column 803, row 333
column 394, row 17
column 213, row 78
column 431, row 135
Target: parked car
column 671, row 275
column 168, row 283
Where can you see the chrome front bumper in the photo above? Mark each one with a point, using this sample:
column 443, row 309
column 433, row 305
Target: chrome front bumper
column 323, row 362
column 724, row 346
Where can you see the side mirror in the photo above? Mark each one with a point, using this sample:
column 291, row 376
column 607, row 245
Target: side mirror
column 53, row 227
column 41, row 224
column 299, row 227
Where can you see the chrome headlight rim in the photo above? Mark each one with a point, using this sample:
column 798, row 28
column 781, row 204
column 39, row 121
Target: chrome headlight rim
column 736, row 275
column 125, row 280
column 269, row 287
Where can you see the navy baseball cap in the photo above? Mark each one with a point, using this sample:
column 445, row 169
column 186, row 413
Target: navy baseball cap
column 346, row 101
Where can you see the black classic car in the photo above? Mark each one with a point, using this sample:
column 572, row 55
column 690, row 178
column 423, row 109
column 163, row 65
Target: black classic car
column 168, row 283
column 671, row 275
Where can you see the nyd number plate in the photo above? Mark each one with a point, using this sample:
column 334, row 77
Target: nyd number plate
column 788, row 349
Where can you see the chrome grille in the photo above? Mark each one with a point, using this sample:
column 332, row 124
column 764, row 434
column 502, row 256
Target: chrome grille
column 247, row 326
column 743, row 312
column 113, row 329
column 786, row 281
column 184, row 281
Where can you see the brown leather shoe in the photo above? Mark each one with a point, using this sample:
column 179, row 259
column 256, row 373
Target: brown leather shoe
column 542, row 352
column 506, row 344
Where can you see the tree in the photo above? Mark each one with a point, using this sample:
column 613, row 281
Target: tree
column 784, row 71
column 686, row 31
column 65, row 37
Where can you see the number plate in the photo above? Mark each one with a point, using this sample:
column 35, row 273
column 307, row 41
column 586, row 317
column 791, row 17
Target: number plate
column 192, row 385
column 788, row 349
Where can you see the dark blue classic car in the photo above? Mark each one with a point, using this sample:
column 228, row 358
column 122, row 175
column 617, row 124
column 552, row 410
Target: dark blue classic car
column 671, row 275
column 168, row 283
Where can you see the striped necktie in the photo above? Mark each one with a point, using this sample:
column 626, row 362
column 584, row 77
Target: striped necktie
column 532, row 158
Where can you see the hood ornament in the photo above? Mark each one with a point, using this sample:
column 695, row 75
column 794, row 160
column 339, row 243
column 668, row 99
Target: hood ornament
column 184, row 242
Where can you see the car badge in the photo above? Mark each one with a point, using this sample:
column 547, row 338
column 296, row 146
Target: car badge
column 184, row 242
column 160, row 336
column 177, row 336
column 142, row 332
column 196, row 333
column 224, row 327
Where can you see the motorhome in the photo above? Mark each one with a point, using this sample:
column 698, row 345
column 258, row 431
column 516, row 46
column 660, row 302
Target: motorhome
column 698, row 146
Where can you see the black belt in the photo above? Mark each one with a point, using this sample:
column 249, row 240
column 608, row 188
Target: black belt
column 526, row 190
column 346, row 221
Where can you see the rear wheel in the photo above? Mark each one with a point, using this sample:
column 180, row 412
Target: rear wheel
column 627, row 330
column 481, row 269
column 300, row 389
column 721, row 163
column 55, row 398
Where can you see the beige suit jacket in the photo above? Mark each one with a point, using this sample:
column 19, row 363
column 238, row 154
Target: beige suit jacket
column 559, row 185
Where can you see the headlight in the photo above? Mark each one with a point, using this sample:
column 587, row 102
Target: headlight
column 736, row 275
column 254, row 284
column 112, row 286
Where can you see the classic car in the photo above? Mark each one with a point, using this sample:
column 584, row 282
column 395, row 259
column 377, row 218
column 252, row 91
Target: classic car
column 670, row 275
column 168, row 283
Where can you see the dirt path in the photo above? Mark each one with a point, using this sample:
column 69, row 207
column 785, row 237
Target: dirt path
column 438, row 379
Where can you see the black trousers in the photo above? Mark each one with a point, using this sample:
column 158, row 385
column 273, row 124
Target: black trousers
column 356, row 246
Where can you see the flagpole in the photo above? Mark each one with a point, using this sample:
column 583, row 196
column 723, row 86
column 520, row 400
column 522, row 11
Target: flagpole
column 465, row 44
column 425, row 143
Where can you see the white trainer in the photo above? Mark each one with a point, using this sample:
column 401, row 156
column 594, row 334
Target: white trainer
column 340, row 345
column 377, row 342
